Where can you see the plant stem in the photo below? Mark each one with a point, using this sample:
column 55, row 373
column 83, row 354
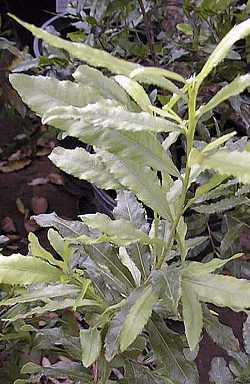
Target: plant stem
column 192, row 122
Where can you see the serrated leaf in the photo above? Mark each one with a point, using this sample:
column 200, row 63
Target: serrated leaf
column 149, row 71
column 156, row 76
column 135, row 90
column 107, row 114
column 24, row 270
column 106, row 86
column 192, row 315
column 238, row 85
column 137, row 317
column 120, row 231
column 91, row 345
column 219, row 372
column 85, row 166
column 92, row 56
column 238, row 32
column 220, row 333
column 167, row 349
column 41, row 93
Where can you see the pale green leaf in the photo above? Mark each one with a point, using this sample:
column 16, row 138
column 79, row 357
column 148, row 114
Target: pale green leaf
column 24, row 270
column 210, row 266
column 129, row 263
column 120, row 231
column 41, row 93
column 156, row 77
column 156, row 71
column 137, row 317
column 135, row 90
column 85, row 166
column 168, row 352
column 107, row 114
column 36, row 250
column 104, row 85
column 237, row 33
column 238, row 85
column 223, row 291
column 92, row 56
column 232, row 163
column 212, row 183
column 192, row 315
column 91, row 345
column 217, row 142
column 60, row 245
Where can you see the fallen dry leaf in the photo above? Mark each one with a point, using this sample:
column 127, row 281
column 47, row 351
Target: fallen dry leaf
column 39, row 205
column 12, row 166
column 20, row 206
column 8, row 225
column 55, row 178
column 38, row 181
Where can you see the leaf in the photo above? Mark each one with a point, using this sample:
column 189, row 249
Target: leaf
column 212, row 183
column 128, row 208
column 85, row 166
column 238, row 85
column 149, row 71
column 36, row 250
column 60, row 245
column 156, row 76
column 106, row 114
column 217, row 142
column 42, row 93
column 223, row 291
column 167, row 284
column 226, row 163
column 167, row 349
column 137, row 317
column 210, row 266
column 237, row 33
column 67, row 228
column 219, row 372
column 220, row 333
column 106, row 87
column 24, row 270
column 43, row 294
column 120, row 231
column 112, row 339
column 92, row 56
column 91, row 345
column 246, row 335
column 192, row 315
column 135, row 90
column 221, row 205
column 129, row 263
column 136, row 373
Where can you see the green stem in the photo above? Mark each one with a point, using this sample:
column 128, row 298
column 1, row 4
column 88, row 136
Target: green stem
column 192, row 122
